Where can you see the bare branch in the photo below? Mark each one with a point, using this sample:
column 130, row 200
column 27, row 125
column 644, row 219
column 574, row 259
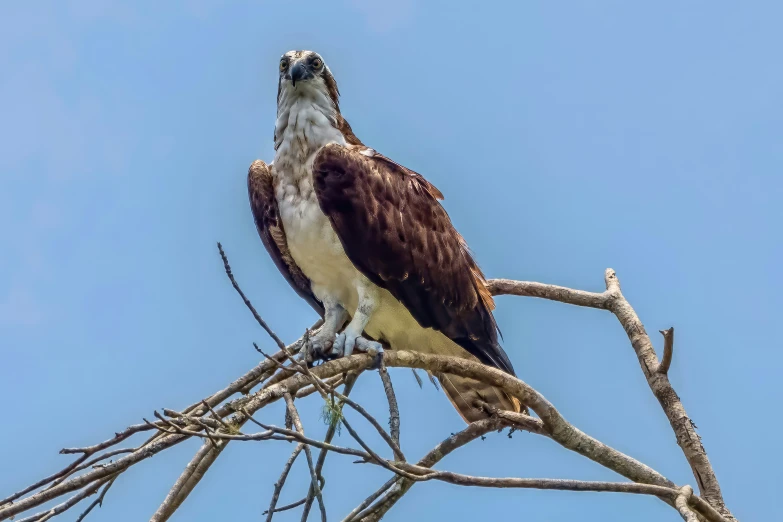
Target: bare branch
column 206, row 455
column 394, row 412
column 247, row 302
column 423, row 472
column 550, row 292
column 668, row 351
column 683, row 427
column 281, row 481
column 98, row 501
column 375, row 458
column 219, row 424
column 681, row 503
column 62, row 473
column 350, row 380
column 613, row 300
column 289, row 401
column 326, row 390
column 393, row 444
column 472, row 432
column 559, row 428
column 68, row 504
column 216, row 416
column 192, row 474
column 519, row 421
column 332, row 382
column 290, row 506
column 416, row 376
column 541, row 483
column 358, row 512
column 79, row 482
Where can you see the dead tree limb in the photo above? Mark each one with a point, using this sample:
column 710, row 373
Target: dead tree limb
column 219, row 419
column 613, row 300
column 394, row 411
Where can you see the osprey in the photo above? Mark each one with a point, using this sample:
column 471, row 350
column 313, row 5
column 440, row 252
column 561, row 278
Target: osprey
column 365, row 241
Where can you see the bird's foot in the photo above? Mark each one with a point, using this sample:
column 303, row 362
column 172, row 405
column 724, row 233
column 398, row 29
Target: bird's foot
column 346, row 343
column 319, row 346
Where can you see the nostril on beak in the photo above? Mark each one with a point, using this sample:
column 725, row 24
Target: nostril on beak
column 298, row 72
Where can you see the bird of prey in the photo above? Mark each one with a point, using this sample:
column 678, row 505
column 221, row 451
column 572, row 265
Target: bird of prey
column 365, row 241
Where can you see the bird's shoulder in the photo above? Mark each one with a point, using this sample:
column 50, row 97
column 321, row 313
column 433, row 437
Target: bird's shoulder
column 359, row 160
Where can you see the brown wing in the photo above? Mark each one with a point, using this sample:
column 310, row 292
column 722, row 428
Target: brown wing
column 395, row 232
column 260, row 188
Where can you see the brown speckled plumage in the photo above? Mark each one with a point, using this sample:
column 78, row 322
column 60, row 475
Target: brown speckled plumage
column 263, row 205
column 394, row 232
column 399, row 236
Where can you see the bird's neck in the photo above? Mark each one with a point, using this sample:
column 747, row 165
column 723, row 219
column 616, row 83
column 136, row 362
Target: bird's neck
column 303, row 106
column 306, row 121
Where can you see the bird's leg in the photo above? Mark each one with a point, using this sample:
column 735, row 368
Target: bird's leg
column 322, row 340
column 351, row 338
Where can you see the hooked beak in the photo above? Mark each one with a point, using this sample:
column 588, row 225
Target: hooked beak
column 298, row 73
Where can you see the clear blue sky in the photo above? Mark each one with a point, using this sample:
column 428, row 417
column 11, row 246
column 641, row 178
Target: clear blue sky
column 566, row 136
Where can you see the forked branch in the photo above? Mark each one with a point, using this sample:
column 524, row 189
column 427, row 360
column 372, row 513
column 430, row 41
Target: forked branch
column 219, row 419
column 656, row 373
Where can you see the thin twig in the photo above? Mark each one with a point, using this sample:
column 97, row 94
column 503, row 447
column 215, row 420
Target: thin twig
column 247, row 302
column 394, row 412
column 104, row 456
column 518, row 421
column 67, row 470
column 375, row 458
column 281, row 481
column 423, row 471
column 416, row 376
column 358, row 512
column 350, row 380
column 68, row 504
column 216, row 416
column 205, row 457
column 473, row 431
column 290, row 506
column 326, row 390
column 98, row 501
column 332, row 382
column 289, row 401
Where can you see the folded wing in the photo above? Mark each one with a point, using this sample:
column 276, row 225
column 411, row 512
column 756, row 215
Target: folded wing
column 260, row 188
column 394, row 230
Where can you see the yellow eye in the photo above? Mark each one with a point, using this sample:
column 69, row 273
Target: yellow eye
column 283, row 64
column 317, row 63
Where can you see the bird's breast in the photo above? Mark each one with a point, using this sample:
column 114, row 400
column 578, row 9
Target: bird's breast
column 313, row 243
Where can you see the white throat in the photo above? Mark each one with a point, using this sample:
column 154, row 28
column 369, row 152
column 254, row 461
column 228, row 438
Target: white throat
column 306, row 121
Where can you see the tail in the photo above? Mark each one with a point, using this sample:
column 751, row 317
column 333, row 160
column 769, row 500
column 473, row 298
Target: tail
column 463, row 393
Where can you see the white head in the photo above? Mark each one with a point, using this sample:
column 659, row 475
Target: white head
column 305, row 76
column 304, row 73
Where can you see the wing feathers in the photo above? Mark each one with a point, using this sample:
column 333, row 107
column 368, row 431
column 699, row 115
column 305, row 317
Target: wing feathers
column 395, row 232
column 260, row 188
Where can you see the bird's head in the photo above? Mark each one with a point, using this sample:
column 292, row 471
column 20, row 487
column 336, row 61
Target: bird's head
column 303, row 73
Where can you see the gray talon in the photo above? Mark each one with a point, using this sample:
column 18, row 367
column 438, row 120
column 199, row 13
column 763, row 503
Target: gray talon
column 346, row 344
column 367, row 346
column 338, row 347
column 320, row 345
